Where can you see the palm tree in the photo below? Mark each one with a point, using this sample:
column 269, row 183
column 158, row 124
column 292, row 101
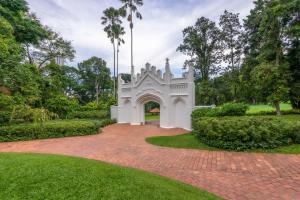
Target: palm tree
column 132, row 5
column 112, row 19
column 118, row 31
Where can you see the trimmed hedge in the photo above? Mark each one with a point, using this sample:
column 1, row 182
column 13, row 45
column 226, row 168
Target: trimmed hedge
column 228, row 109
column 51, row 129
column 242, row 133
column 95, row 114
column 106, row 122
column 283, row 112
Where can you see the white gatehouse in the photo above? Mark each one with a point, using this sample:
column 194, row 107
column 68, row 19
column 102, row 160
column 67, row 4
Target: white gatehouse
column 176, row 97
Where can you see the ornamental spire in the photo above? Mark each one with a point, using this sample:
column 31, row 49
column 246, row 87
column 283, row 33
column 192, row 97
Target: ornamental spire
column 167, row 67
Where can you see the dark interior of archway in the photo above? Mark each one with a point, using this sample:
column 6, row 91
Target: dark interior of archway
column 152, row 113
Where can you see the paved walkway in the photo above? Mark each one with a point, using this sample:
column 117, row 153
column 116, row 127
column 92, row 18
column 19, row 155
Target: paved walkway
column 230, row 175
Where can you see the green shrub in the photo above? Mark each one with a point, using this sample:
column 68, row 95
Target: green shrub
column 62, row 105
column 51, row 129
column 27, row 114
column 241, row 133
column 6, row 102
column 228, row 109
column 89, row 107
column 94, row 114
column 233, row 109
column 106, row 122
column 4, row 117
column 283, row 112
column 103, row 104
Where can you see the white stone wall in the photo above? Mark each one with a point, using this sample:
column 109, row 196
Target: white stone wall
column 176, row 97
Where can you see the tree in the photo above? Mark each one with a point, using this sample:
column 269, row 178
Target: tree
column 27, row 28
column 132, row 6
column 118, row 32
column 126, row 77
column 272, row 73
column 201, row 43
column 50, row 48
column 112, row 21
column 94, row 77
column 291, row 16
column 231, row 33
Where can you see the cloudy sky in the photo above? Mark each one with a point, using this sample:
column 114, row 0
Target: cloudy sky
column 156, row 37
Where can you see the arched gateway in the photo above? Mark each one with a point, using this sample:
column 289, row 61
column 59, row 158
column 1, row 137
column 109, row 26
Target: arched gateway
column 176, row 97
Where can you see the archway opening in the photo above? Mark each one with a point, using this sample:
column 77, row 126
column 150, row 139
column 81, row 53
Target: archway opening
column 152, row 113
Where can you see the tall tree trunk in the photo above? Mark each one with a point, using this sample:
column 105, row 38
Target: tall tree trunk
column 117, row 68
column 114, row 78
column 117, row 61
column 131, row 32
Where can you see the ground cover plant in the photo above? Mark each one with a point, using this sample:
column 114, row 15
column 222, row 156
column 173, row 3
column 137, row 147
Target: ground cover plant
column 33, row 176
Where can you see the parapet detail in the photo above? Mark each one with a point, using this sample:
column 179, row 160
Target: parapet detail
column 166, row 77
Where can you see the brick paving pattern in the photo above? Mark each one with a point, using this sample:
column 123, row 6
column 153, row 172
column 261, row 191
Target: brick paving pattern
column 227, row 174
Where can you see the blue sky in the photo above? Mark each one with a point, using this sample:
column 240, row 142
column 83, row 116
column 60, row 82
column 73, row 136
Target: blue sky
column 156, row 37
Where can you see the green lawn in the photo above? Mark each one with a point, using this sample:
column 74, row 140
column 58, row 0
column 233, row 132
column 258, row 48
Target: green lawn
column 35, row 176
column 152, row 117
column 265, row 108
column 189, row 141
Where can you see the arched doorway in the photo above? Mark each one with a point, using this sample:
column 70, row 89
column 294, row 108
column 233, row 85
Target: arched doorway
column 152, row 113
column 142, row 102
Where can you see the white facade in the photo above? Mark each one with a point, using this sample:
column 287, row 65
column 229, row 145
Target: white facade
column 176, row 97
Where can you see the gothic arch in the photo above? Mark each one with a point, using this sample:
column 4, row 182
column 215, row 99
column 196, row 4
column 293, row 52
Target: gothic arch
column 176, row 97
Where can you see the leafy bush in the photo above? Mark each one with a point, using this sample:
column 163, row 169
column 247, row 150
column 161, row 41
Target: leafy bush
column 234, row 109
column 4, row 117
column 27, row 114
column 106, row 122
column 51, row 129
column 102, row 105
column 228, row 109
column 283, row 112
column 62, row 105
column 90, row 107
column 95, row 114
column 6, row 102
column 241, row 133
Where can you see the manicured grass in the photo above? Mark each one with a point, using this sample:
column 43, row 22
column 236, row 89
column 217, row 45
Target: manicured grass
column 152, row 117
column 35, row 176
column 266, row 108
column 189, row 141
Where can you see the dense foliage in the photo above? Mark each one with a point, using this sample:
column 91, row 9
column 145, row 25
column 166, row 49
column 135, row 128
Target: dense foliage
column 244, row 133
column 94, row 114
column 228, row 109
column 260, row 57
column 51, row 129
column 35, row 84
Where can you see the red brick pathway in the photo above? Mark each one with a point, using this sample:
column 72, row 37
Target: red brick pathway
column 227, row 174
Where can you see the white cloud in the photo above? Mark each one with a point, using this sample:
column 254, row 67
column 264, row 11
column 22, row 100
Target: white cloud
column 155, row 37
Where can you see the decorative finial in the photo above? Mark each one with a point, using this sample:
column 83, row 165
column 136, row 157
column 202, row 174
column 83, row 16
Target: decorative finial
column 167, row 68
